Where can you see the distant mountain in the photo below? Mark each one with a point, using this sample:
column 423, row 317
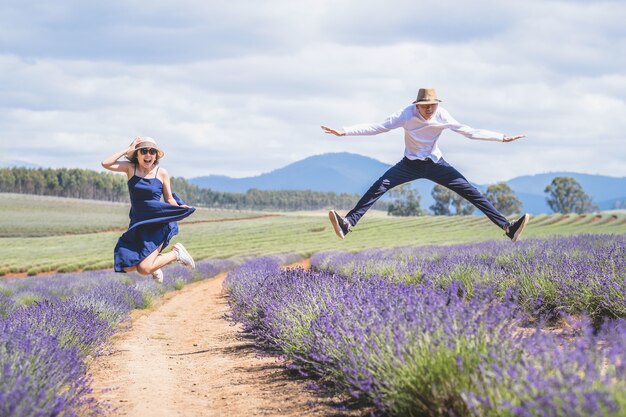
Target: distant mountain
column 336, row 172
column 14, row 163
column 351, row 173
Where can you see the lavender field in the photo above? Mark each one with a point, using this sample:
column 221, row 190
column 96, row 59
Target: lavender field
column 537, row 328
column 51, row 327
column 490, row 329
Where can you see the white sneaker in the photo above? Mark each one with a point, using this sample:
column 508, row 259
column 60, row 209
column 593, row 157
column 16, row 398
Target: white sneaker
column 183, row 257
column 158, row 276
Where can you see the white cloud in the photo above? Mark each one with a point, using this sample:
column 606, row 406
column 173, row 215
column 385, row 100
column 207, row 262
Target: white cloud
column 241, row 87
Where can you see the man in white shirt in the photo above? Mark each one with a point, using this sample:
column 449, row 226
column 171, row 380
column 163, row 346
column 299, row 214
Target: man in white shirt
column 423, row 121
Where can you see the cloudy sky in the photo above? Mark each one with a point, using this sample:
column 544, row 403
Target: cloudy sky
column 241, row 87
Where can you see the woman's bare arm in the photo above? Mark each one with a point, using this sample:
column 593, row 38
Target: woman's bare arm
column 112, row 164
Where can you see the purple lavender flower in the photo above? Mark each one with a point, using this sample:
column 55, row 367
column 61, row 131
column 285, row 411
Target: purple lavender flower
column 49, row 325
column 38, row 376
column 583, row 274
column 80, row 327
column 438, row 331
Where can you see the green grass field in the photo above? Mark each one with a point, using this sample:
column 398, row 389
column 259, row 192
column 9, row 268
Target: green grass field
column 44, row 234
column 39, row 216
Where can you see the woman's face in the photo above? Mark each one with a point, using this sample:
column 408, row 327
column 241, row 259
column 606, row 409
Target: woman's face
column 147, row 157
column 427, row 110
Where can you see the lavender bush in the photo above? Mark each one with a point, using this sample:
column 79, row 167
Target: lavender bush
column 413, row 346
column 39, row 376
column 584, row 274
column 582, row 375
column 6, row 305
column 50, row 326
column 276, row 305
column 80, row 327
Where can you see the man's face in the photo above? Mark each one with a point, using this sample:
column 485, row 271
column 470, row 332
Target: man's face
column 427, row 110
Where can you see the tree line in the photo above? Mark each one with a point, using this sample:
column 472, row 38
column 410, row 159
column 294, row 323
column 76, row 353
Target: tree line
column 564, row 195
column 89, row 184
column 255, row 199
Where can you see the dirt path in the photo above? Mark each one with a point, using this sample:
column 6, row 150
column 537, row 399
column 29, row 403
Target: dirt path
column 182, row 358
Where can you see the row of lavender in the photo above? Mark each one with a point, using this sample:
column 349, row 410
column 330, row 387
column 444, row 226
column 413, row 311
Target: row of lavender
column 401, row 340
column 51, row 326
column 582, row 274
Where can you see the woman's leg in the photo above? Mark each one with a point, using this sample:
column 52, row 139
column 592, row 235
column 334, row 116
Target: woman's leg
column 155, row 261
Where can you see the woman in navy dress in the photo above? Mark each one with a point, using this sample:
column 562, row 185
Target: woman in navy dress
column 152, row 221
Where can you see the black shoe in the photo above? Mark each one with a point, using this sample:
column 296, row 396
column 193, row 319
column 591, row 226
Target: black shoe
column 341, row 225
column 517, row 227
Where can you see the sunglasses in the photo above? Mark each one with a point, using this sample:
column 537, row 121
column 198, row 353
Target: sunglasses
column 146, row 151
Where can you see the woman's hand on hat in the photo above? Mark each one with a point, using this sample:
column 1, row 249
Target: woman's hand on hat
column 512, row 138
column 135, row 142
column 332, row 131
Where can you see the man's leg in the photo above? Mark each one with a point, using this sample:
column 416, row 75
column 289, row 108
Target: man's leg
column 444, row 174
column 404, row 171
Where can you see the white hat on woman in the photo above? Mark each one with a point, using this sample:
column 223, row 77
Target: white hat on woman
column 146, row 142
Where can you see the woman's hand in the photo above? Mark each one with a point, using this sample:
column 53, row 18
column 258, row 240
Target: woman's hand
column 134, row 143
column 112, row 164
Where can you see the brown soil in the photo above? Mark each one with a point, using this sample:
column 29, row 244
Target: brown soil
column 183, row 358
column 596, row 218
column 304, row 264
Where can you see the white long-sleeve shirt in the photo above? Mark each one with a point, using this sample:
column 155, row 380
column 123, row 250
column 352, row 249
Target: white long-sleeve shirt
column 421, row 135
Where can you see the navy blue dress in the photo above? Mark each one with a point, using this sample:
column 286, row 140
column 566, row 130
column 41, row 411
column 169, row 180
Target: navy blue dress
column 152, row 222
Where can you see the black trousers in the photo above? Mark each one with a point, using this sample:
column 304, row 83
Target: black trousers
column 440, row 172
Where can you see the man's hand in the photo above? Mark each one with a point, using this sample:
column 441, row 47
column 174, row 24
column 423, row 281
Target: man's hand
column 332, row 131
column 512, row 138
